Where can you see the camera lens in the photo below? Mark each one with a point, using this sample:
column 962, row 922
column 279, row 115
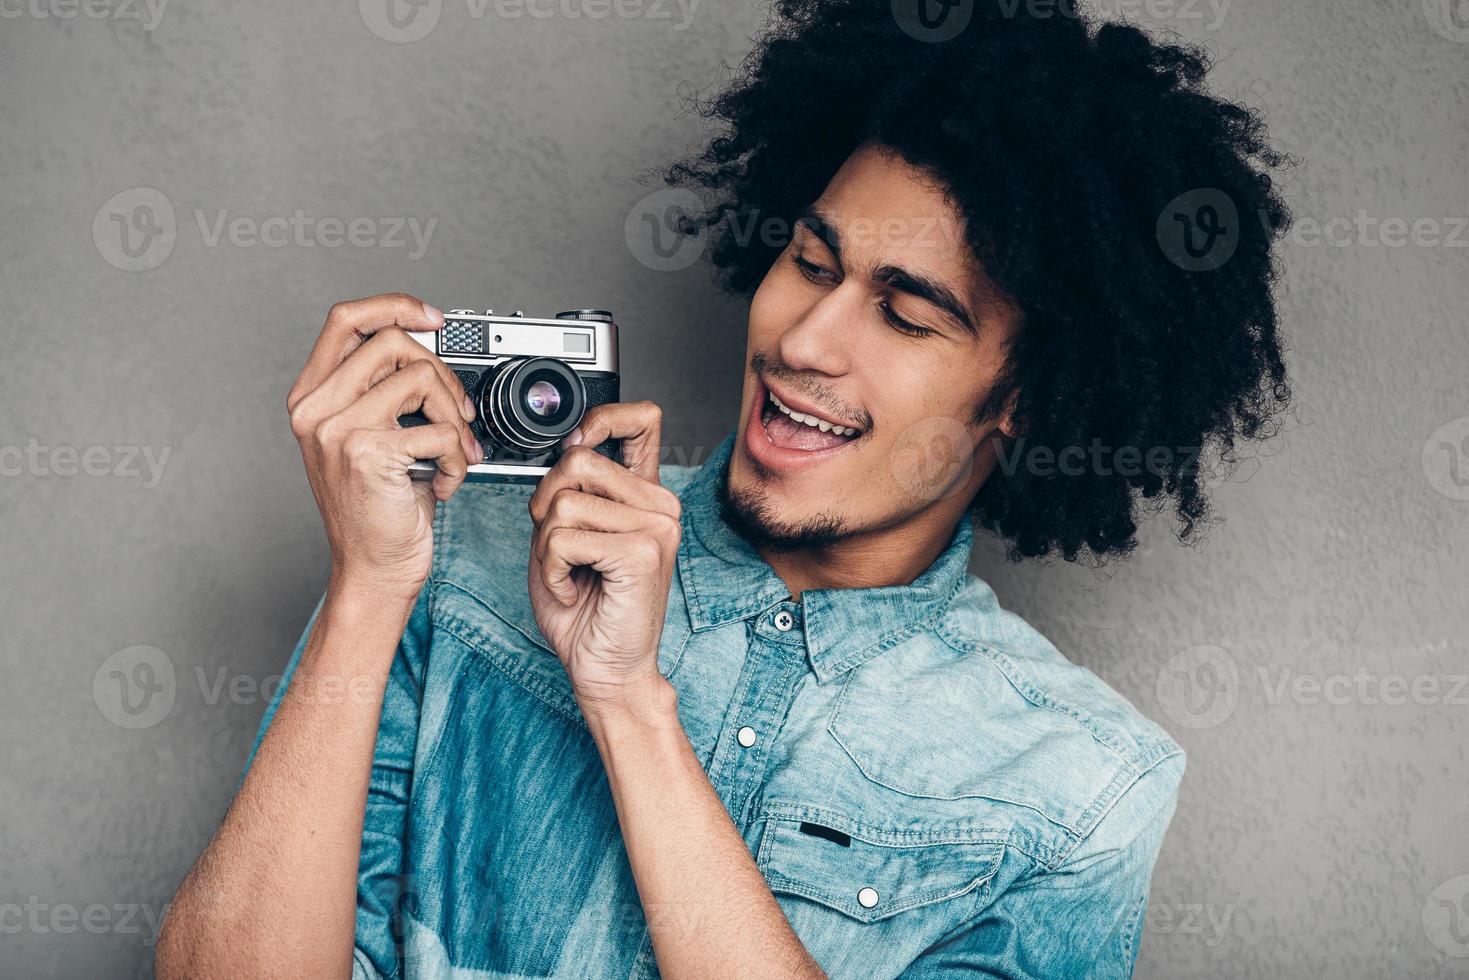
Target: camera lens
column 529, row 403
column 543, row 398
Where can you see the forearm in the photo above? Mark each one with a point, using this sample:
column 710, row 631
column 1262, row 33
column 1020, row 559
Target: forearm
column 709, row 910
column 274, row 893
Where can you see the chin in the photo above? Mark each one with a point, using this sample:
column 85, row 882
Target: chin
column 757, row 512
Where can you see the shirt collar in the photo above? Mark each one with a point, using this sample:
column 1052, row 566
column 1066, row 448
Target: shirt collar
column 725, row 580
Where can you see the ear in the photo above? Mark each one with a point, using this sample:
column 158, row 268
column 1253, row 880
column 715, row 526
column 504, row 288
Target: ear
column 1007, row 426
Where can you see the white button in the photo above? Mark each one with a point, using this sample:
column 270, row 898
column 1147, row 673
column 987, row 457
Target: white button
column 867, row 897
column 784, row 621
column 746, row 736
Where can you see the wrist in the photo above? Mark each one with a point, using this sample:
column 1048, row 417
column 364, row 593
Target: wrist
column 359, row 608
column 359, row 589
column 649, row 706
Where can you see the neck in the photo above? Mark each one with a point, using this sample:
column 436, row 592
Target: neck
column 894, row 555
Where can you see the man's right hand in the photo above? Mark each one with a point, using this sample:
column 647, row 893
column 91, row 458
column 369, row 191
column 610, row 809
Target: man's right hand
column 363, row 373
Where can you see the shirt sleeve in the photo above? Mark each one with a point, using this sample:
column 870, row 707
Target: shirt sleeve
column 384, row 884
column 1081, row 920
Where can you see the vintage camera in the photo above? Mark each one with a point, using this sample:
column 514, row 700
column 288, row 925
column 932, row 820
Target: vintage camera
column 531, row 382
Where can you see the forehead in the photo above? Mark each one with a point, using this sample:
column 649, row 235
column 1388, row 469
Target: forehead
column 882, row 209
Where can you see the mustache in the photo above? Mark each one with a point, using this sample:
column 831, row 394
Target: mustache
column 760, row 363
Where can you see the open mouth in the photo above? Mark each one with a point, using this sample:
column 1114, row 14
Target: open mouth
column 804, row 431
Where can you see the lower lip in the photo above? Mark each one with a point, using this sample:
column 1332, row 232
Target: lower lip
column 778, row 458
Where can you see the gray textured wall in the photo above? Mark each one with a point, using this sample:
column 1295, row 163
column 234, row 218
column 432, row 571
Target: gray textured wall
column 1322, row 827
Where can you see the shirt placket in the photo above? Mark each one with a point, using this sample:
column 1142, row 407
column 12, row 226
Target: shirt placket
column 775, row 662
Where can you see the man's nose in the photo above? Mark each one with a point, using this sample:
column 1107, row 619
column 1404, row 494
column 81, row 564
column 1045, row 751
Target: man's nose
column 824, row 338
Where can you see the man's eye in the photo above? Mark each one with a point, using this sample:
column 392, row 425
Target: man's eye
column 811, row 270
column 912, row 329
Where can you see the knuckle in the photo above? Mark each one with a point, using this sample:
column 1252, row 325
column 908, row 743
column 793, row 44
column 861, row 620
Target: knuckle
column 562, row 505
column 341, row 312
column 358, row 447
column 302, row 425
column 578, row 459
column 647, row 550
column 331, row 431
column 394, row 339
column 669, row 531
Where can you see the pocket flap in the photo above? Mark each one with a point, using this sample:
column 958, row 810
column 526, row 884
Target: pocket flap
column 870, row 876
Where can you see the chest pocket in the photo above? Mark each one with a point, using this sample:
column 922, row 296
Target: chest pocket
column 869, row 876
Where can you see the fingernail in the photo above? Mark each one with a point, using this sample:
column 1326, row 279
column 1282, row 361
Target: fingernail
column 573, row 438
column 434, row 314
column 468, row 409
column 479, row 451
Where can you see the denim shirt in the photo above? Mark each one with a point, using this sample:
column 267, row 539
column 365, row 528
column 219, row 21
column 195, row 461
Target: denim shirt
column 928, row 786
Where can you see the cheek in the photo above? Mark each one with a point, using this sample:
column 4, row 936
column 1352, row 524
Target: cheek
column 929, row 449
column 777, row 303
column 931, row 455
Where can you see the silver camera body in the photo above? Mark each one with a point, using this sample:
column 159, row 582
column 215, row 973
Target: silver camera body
column 531, row 381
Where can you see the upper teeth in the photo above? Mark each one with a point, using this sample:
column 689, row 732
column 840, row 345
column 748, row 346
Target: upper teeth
column 812, row 420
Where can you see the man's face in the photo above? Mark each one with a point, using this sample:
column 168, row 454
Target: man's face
column 876, row 317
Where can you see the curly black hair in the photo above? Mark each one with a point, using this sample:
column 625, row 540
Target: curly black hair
column 1062, row 142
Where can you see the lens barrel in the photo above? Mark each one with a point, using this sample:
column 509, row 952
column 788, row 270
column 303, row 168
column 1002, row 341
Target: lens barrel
column 528, row 404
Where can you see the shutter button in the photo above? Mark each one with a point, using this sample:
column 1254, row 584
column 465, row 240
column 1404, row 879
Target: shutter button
column 746, row 736
column 784, row 621
column 867, row 897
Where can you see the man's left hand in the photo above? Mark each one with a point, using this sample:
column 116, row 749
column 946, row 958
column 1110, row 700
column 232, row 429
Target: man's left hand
column 602, row 557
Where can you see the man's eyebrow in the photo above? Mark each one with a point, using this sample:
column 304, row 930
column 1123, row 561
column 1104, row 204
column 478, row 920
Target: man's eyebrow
column 925, row 288
column 915, row 284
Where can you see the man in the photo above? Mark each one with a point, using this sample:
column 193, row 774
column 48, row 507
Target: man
column 755, row 718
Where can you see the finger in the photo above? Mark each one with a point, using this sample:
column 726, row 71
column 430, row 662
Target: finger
column 349, row 324
column 383, row 353
column 638, row 424
column 620, row 558
column 439, row 442
column 417, row 387
column 574, row 508
column 583, row 468
column 588, row 512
